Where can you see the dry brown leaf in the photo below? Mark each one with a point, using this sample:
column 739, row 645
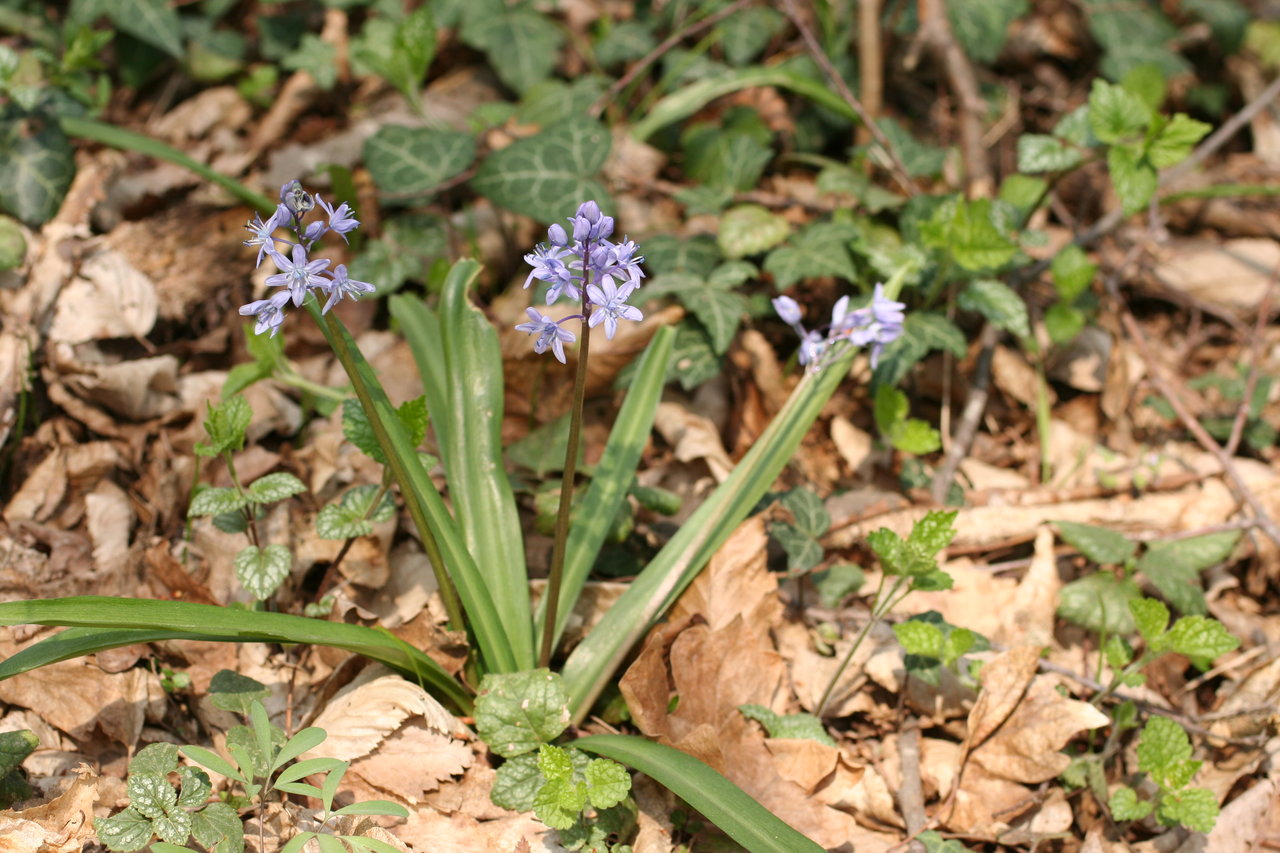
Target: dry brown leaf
column 1004, row 680
column 109, row 299
column 109, row 517
column 63, row 825
column 1026, row 748
column 693, row 437
column 432, row 832
column 802, row 761
column 1028, row 618
column 735, row 583
column 1232, row 274
column 42, row 492
column 979, row 599
column 413, row 761
column 1014, row 376
column 655, row 805
column 986, row 804
column 1243, row 822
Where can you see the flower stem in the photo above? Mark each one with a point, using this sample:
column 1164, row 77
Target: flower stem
column 879, row 607
column 556, row 577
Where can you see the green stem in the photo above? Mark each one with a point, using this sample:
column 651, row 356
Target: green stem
column 556, row 577
column 289, row 376
column 248, row 510
column 879, row 607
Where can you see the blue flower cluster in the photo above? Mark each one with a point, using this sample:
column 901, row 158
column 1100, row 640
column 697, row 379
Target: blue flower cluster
column 299, row 273
column 586, row 266
column 875, row 325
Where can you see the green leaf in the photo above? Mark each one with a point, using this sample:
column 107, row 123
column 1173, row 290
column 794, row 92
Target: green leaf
column 744, row 35
column 808, row 510
column 1200, row 638
column 1194, row 808
column 935, row 843
column 890, row 409
column 262, row 570
column 518, row 712
column 920, row 638
column 799, row 726
column 15, row 747
column 151, row 794
column 918, row 158
column 521, row 43
column 357, row 430
column 1147, row 83
column 719, row 311
column 608, row 783
column 231, row 691
column 218, row 828
column 1125, row 805
column 195, row 786
column 624, row 41
column 548, row 173
column 1097, row 543
column 982, row 26
column 151, row 21
column 1116, row 115
column 156, row 759
column 693, row 360
column 559, row 802
column 317, row 57
column 730, row 159
column 917, row 437
column 750, row 229
column 275, row 487
column 934, row 580
column 837, row 582
column 13, row 245
column 803, row 551
column 1073, row 272
column 973, row 238
column 403, row 54
column 125, row 831
column 719, row 800
column 822, row 249
column 1163, row 750
column 931, row 534
column 1151, row 619
column 225, row 424
column 354, row 515
column 412, row 161
column 1099, row 602
column 1039, row 152
column 36, row 167
column 922, row 331
column 1063, row 322
column 1176, row 140
column 516, row 783
column 697, row 256
column 216, row 501
column 413, row 415
column 998, row 302
column 1133, row 177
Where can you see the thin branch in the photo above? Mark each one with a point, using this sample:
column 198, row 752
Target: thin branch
column 819, row 56
column 1251, row 380
column 967, row 428
column 911, row 793
column 870, row 63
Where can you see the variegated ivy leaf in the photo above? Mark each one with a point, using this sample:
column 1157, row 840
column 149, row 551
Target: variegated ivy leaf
column 262, row 570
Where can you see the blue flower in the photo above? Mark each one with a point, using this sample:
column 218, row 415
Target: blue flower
column 298, row 274
column 297, row 200
column 874, row 326
column 342, row 286
column 340, row 219
column 549, row 333
column 549, row 265
column 589, row 224
column 270, row 312
column 263, row 232
column 609, row 304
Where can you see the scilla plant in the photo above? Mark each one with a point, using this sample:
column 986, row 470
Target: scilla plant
column 475, row 545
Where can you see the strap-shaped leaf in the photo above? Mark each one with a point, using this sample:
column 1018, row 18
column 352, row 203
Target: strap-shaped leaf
column 102, row 623
column 722, row 802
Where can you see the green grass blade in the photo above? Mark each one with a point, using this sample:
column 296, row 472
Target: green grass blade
column 687, row 100
column 427, row 509
column 720, row 801
column 116, row 137
column 613, row 476
column 421, row 329
column 483, row 502
column 99, row 623
column 597, row 657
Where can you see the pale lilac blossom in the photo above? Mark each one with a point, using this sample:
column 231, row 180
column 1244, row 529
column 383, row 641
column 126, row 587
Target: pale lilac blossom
column 340, row 219
column 269, row 312
column 549, row 332
column 342, row 286
column 875, row 325
column 263, row 232
column 609, row 304
column 298, row 273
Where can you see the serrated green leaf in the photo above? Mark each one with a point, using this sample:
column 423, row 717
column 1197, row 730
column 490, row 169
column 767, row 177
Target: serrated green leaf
column 218, row 828
column 1099, row 602
column 998, row 302
column 517, row 712
column 1147, row 83
column 890, row 408
column 552, row 171
column 931, row 534
column 1099, row 544
column 409, row 161
column 719, row 311
column 516, row 783
column 559, row 802
column 750, row 229
column 194, row 786
column 920, row 638
column 916, row 437
column 261, row 571
column 554, row 763
column 150, row 794
column 357, row 430
column 225, row 424
column 1039, row 152
column 822, row 249
column 216, row 501
column 354, row 514
column 934, row 580
column 1162, row 748
column 129, row 830
column 1118, row 651
column 608, row 783
column 522, row 45
column 1151, row 619
column 1200, row 638
column 1125, row 805
column 174, row 827
column 1116, row 114
column 275, row 487
column 1194, row 808
column 413, row 414
column 1133, row 177
column 799, row 726
column 1073, row 272
column 37, row 164
column 156, row 759
column 973, row 238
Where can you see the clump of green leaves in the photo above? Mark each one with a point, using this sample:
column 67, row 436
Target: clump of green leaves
column 799, row 537
column 173, row 802
column 931, row 643
column 910, row 435
column 519, row 715
column 1100, row 601
column 1164, row 754
column 14, row 749
column 1258, row 433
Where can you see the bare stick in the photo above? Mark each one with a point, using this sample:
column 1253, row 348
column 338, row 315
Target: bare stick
column 967, row 428
column 870, row 63
column 1251, row 381
column 911, row 794
column 819, row 56
column 658, row 52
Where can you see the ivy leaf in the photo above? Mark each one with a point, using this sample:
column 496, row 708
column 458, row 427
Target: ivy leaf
column 750, row 229
column 550, row 172
column 1097, row 543
column 403, row 52
column 1099, row 602
column 315, row 56
column 719, row 311
column 608, row 783
column 262, row 570
column 275, row 487
column 798, row 726
column 522, row 45
column 1134, row 179
column 411, row 161
column 231, row 691
column 982, row 26
column 725, row 159
column 803, row 551
column 37, row 164
column 693, row 359
column 354, row 514
column 516, row 783
column 16, row 746
column 934, row 843
column 840, row 580
column 808, row 510
column 697, row 256
column 518, row 712
column 822, row 249
column 216, row 501
column 1125, row 805
column 744, row 35
column 151, row 21
column 998, row 302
